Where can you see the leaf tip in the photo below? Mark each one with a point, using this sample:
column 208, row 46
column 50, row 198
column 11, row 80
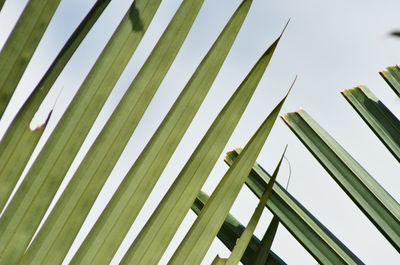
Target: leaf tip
column 286, row 116
column 284, row 28
column 284, row 151
column 273, row 46
column 348, row 91
column 41, row 126
column 238, row 149
column 291, row 86
column 300, row 110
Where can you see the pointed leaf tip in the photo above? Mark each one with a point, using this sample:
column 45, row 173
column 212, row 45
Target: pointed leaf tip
column 273, row 46
column 287, row 94
column 291, row 86
column 284, row 151
column 279, row 163
column 284, row 28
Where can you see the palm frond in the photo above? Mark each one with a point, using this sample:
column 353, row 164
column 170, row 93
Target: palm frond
column 21, row 44
column 23, row 215
column 19, row 141
column 231, row 230
column 205, row 228
column 170, row 212
column 392, row 77
column 372, row 199
column 377, row 116
column 243, row 241
column 314, row 236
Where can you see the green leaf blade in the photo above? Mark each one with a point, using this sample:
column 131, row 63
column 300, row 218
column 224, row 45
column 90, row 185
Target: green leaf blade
column 163, row 144
column 231, row 230
column 30, row 202
column 377, row 116
column 98, row 248
column 245, row 238
column 380, row 208
column 219, row 261
column 21, row 44
column 264, row 249
column 314, row 237
column 166, row 218
column 58, row 232
column 19, row 142
column 199, row 238
column 392, row 77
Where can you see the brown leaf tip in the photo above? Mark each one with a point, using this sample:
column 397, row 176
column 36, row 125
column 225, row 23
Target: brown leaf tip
column 43, row 125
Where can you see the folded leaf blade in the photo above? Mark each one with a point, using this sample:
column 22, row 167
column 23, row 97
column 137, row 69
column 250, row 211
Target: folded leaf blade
column 200, row 236
column 231, row 230
column 380, row 208
column 392, row 77
column 264, row 249
column 23, row 215
column 19, row 141
column 86, row 183
column 21, row 44
column 316, row 238
column 244, row 240
column 165, row 220
column 377, row 116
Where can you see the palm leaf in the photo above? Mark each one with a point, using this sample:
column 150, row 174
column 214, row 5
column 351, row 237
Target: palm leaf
column 378, row 117
column 1, row 4
column 166, row 219
column 244, row 239
column 231, row 230
column 380, row 208
column 314, row 237
column 264, row 249
column 30, row 202
column 58, row 232
column 21, row 44
column 19, row 142
column 205, row 228
column 392, row 77
column 219, row 261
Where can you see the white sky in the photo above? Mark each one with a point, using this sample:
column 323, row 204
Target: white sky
column 330, row 45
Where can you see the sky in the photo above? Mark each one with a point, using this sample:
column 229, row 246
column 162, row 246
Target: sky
column 331, row 46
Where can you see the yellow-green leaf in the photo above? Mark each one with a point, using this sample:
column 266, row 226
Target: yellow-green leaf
column 58, row 232
column 200, row 236
column 23, row 215
column 264, row 249
column 19, row 141
column 231, row 230
column 21, row 44
column 166, row 219
column 1, row 4
column 219, row 261
column 314, row 237
column 245, row 238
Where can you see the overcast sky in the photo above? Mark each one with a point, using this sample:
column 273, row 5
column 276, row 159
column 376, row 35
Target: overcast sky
column 331, row 45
